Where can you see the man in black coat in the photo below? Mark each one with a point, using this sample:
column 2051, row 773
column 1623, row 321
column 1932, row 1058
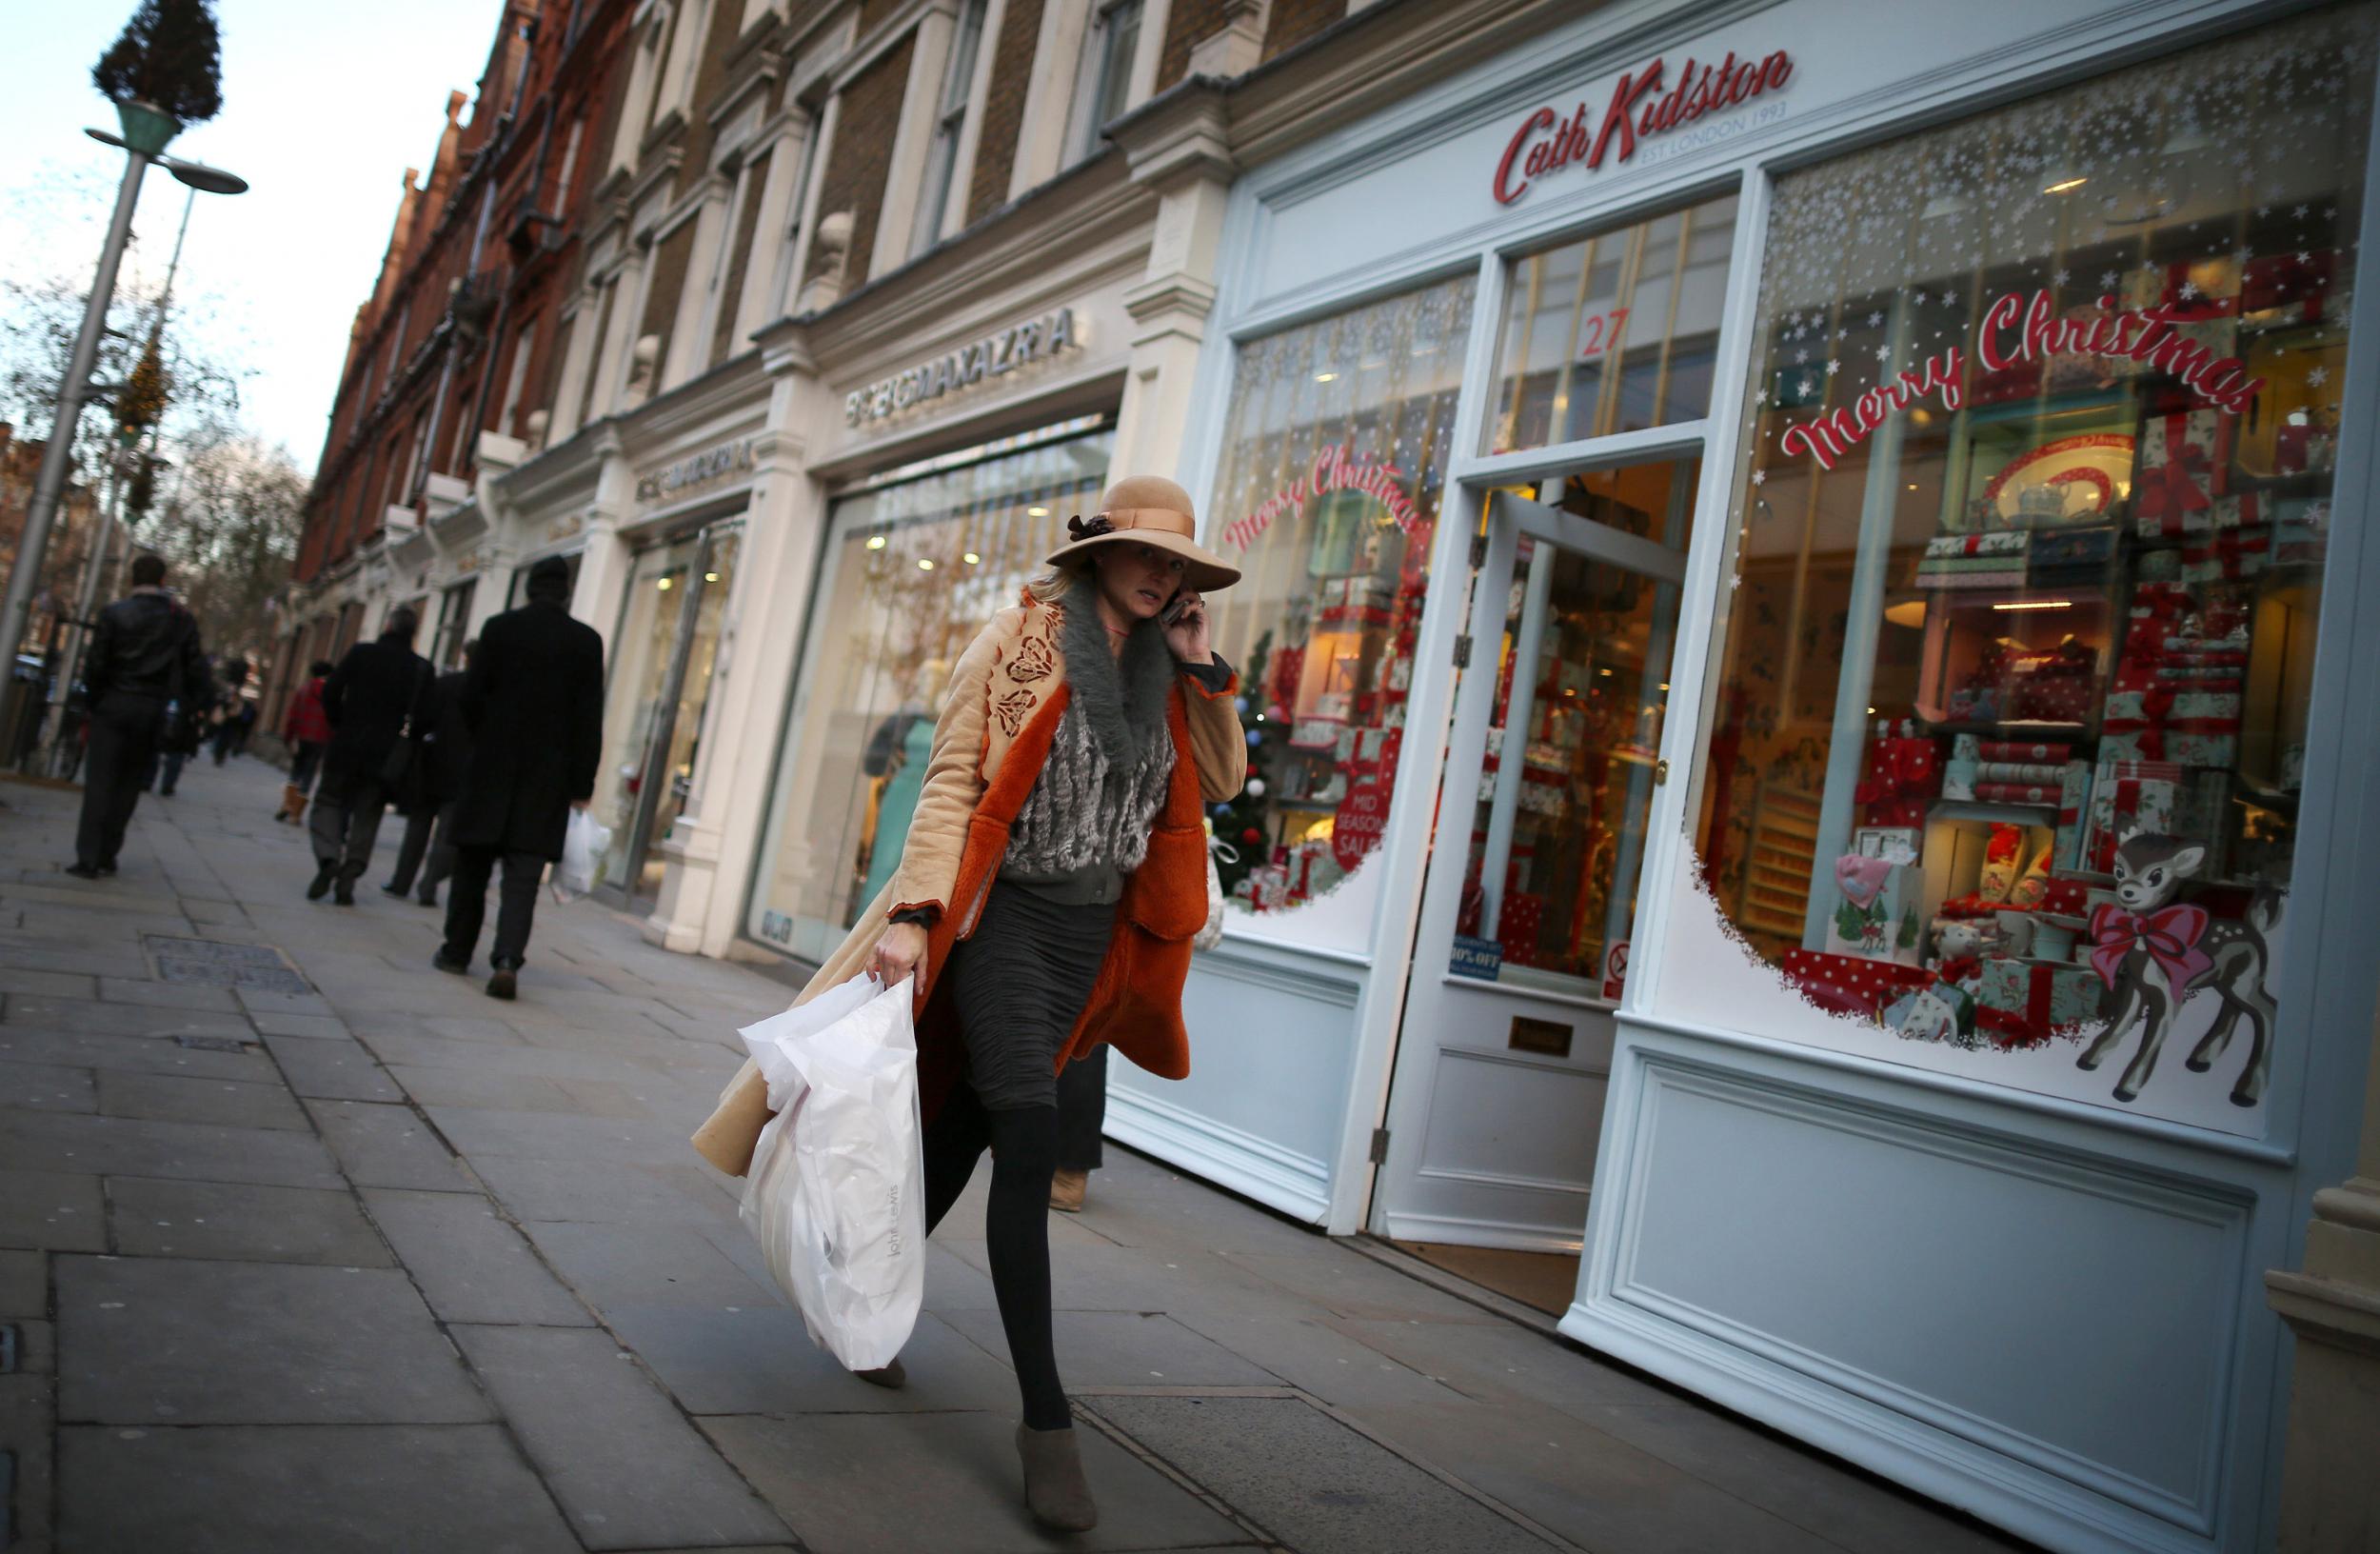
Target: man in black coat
column 439, row 776
column 534, row 699
column 143, row 660
column 376, row 699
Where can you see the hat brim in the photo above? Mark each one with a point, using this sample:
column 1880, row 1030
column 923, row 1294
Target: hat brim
column 1202, row 569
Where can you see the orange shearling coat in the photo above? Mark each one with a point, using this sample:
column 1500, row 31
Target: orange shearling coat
column 1006, row 698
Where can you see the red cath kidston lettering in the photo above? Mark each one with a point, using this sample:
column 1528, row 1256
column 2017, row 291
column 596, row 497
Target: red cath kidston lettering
column 1638, row 109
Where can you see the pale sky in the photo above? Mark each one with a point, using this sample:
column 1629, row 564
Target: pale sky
column 326, row 103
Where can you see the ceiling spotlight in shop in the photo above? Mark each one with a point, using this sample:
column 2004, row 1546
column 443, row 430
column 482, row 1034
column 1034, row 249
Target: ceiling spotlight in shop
column 876, row 542
column 662, row 583
column 1037, row 512
column 1324, row 377
column 710, row 577
column 925, row 564
column 971, row 558
column 2066, row 183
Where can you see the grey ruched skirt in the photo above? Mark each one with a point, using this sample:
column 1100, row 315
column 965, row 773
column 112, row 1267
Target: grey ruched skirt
column 1019, row 985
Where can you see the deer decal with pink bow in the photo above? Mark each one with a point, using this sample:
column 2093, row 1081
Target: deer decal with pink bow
column 2154, row 952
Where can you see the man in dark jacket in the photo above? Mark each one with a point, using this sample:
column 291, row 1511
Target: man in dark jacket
column 377, row 698
column 444, row 765
column 534, row 699
column 144, row 665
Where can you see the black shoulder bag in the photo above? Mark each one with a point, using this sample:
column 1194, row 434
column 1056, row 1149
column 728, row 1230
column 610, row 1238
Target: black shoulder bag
column 397, row 769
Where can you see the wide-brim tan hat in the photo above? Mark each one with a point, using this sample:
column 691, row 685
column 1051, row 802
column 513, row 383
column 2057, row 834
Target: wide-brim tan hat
column 1152, row 510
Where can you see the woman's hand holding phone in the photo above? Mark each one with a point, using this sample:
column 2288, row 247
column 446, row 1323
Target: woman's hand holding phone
column 1186, row 628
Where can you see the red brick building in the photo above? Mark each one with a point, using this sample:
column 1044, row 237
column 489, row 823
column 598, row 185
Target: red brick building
column 458, row 337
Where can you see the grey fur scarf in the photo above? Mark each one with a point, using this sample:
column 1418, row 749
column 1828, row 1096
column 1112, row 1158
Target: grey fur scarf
column 1111, row 757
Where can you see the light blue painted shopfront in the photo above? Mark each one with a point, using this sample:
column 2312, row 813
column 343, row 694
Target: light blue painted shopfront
column 1688, row 851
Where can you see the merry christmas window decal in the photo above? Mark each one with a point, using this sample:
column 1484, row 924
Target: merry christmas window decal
column 2009, row 702
column 1335, row 446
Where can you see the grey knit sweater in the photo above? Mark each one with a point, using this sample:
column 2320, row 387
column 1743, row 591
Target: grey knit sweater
column 1085, row 824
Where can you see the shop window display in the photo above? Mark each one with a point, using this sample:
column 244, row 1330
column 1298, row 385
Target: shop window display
column 1335, row 447
column 2009, row 712
column 916, row 561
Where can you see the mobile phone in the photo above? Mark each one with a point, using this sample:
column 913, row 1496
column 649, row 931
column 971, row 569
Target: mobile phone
column 1175, row 606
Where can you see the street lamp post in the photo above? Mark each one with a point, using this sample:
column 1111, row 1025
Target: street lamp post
column 144, row 141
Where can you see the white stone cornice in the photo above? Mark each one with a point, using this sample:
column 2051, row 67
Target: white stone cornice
column 1176, row 295
column 1182, row 134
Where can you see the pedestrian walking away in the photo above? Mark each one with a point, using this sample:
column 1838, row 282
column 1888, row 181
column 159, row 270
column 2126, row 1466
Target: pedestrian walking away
column 306, row 731
column 533, row 702
column 227, row 720
column 437, row 788
column 1047, row 892
column 376, row 701
column 142, row 670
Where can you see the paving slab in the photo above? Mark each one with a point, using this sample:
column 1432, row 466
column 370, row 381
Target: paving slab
column 472, row 1083
column 44, row 1013
column 47, row 1087
column 366, row 1489
column 54, row 1211
column 300, row 1025
column 27, row 1425
column 241, row 1221
column 324, row 1069
column 165, row 1341
column 760, row 1360
column 552, row 1135
column 628, row 1470
column 386, row 1147
column 471, row 1264
column 1813, row 1493
column 1307, row 1354
column 646, row 1264
column 889, row 1483
column 258, row 1001
column 597, row 1191
column 139, row 1146
column 23, row 1284
column 134, row 1054
column 1584, row 1484
column 1498, row 1362
column 1126, row 1348
column 167, row 995
column 1312, row 1482
column 169, row 1098
column 51, row 983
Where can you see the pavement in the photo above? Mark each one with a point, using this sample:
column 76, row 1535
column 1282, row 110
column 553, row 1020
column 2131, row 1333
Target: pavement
column 305, row 1246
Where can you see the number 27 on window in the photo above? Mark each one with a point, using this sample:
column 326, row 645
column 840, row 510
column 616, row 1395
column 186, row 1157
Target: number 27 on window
column 1600, row 333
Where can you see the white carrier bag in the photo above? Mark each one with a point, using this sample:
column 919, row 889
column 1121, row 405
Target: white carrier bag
column 836, row 1191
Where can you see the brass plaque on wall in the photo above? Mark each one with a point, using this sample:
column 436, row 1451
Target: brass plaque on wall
column 1550, row 1037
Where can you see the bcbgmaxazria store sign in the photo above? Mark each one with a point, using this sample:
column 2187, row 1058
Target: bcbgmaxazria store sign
column 993, row 356
column 1646, row 104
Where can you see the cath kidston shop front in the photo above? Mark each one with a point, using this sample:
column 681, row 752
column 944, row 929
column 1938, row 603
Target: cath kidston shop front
column 1794, row 658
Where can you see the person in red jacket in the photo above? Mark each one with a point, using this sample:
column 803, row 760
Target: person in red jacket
column 306, row 731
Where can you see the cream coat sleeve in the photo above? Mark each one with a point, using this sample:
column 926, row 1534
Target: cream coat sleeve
column 954, row 782
column 1217, row 743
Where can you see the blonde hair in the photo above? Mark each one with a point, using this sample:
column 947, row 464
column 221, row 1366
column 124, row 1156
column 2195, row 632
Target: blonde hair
column 1055, row 582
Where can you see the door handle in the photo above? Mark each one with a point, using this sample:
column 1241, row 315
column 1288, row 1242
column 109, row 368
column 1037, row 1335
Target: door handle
column 1660, row 773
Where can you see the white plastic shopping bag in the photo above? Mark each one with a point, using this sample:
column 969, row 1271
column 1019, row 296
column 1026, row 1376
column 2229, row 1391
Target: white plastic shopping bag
column 582, row 846
column 836, row 1192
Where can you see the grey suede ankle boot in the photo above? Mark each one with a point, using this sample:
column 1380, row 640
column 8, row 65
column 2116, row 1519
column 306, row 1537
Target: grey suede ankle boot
column 1054, row 1485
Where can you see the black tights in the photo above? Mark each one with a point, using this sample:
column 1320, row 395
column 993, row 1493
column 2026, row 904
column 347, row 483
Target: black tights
column 1016, row 1228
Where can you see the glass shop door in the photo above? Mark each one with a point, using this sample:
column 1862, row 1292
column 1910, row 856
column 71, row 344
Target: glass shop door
column 1530, row 901
column 661, row 683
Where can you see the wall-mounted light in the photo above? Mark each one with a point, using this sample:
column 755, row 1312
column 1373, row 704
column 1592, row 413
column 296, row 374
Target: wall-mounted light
column 2034, row 604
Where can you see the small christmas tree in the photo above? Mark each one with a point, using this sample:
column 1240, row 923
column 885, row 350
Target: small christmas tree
column 168, row 57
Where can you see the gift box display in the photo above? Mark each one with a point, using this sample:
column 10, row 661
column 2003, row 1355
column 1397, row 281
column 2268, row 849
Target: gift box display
column 1848, row 984
column 1904, row 773
column 1940, row 1012
column 1975, row 561
column 2032, row 1000
column 2184, row 465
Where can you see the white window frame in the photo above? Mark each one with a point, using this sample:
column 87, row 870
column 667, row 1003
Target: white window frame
column 1101, row 63
column 940, row 172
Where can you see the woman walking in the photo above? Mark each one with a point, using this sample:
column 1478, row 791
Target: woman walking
column 306, row 731
column 1048, row 888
